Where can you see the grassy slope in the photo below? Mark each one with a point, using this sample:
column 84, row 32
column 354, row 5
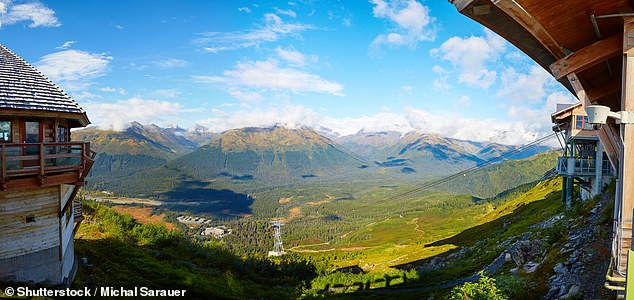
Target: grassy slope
column 482, row 237
column 122, row 252
column 379, row 235
column 489, row 181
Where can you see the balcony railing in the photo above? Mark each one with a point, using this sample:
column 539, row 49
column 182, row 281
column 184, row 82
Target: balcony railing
column 574, row 166
column 43, row 160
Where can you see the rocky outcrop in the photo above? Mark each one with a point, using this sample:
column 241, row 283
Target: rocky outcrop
column 581, row 273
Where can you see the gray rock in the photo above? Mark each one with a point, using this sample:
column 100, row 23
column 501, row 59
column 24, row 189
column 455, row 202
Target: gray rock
column 530, row 267
column 573, row 291
column 552, row 293
column 563, row 290
column 565, row 250
column 560, row 269
column 551, row 278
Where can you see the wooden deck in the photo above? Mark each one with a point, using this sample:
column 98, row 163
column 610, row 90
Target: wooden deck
column 26, row 165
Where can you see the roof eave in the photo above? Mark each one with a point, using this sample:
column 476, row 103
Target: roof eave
column 488, row 14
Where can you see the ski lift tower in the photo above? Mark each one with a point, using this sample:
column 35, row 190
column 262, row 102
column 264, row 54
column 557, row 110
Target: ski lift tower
column 278, row 248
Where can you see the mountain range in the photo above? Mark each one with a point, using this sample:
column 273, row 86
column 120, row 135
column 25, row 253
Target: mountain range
column 277, row 155
column 139, row 147
column 273, row 153
column 424, row 153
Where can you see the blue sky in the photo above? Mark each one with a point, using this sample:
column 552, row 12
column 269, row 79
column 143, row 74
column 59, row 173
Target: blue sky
column 338, row 66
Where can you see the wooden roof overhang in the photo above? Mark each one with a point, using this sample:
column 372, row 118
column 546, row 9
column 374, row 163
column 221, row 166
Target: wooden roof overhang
column 579, row 42
column 75, row 119
column 25, row 91
column 583, row 45
column 565, row 113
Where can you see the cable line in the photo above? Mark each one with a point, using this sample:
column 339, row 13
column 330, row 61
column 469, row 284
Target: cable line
column 437, row 182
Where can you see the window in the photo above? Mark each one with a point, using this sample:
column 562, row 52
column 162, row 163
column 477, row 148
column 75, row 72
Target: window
column 61, row 134
column 581, row 122
column 32, row 131
column 5, row 131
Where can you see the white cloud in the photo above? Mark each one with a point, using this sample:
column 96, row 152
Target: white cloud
column 117, row 116
column 464, row 101
column 407, row 88
column 441, row 83
column 35, row 12
column 471, row 57
column 244, row 9
column 74, row 69
column 292, row 116
column 412, row 19
column 409, row 119
column 530, row 87
column 171, row 63
column 113, row 90
column 269, row 75
column 538, row 116
column 65, row 45
column 167, row 93
column 273, row 29
column 291, row 55
column 244, row 96
column 287, row 12
column 83, row 96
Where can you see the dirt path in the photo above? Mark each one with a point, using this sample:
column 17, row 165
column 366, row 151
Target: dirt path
column 415, row 222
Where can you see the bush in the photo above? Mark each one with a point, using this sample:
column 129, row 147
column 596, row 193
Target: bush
column 484, row 289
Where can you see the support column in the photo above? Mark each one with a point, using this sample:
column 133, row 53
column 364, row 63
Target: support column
column 626, row 168
column 598, row 178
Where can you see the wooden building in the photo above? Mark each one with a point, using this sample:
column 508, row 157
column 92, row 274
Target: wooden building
column 583, row 161
column 41, row 171
column 588, row 46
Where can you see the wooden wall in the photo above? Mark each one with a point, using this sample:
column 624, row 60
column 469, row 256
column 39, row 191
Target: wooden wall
column 50, row 128
column 19, row 237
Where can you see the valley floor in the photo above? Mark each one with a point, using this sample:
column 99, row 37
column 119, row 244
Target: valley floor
column 361, row 244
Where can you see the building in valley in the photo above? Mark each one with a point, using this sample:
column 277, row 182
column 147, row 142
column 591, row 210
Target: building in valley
column 41, row 172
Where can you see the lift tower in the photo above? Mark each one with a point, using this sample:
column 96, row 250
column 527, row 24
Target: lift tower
column 278, row 248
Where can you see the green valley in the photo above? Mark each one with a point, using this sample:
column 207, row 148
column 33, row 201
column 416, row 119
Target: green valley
column 359, row 226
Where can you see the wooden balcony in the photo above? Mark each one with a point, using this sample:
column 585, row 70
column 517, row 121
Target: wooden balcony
column 582, row 167
column 28, row 165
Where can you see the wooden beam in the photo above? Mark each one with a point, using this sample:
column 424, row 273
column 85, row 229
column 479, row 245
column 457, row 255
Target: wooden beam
column 611, row 142
column 461, row 4
column 605, row 90
column 588, row 56
column 526, row 20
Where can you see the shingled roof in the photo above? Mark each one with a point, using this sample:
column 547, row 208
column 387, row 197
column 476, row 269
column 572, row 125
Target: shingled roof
column 26, row 91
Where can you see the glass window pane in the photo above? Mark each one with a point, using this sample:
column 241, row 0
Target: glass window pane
column 579, row 121
column 61, row 134
column 32, row 132
column 5, row 131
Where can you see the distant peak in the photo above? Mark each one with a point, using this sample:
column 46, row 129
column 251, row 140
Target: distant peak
column 135, row 124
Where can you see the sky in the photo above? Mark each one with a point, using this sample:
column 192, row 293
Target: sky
column 335, row 66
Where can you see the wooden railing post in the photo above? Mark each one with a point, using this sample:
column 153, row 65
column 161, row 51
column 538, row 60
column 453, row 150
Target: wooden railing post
column 4, row 164
column 42, row 159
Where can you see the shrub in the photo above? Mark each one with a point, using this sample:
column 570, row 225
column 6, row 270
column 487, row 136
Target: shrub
column 484, row 289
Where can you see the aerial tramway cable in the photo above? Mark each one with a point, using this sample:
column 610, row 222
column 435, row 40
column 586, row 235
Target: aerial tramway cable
column 428, row 185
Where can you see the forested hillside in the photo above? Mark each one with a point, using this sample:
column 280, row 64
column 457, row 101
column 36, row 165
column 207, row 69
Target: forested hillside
column 271, row 155
column 497, row 178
